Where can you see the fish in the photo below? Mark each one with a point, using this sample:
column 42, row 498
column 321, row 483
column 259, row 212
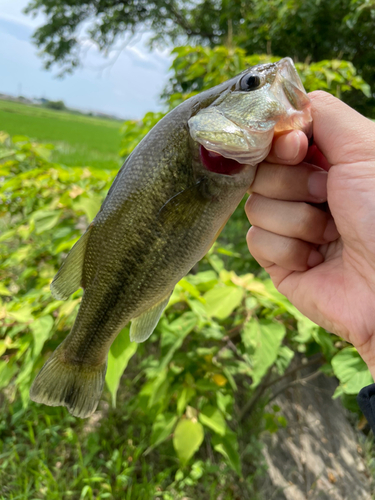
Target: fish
column 166, row 207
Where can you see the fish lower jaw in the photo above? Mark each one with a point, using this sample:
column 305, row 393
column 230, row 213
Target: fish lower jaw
column 227, row 171
column 219, row 164
column 231, row 162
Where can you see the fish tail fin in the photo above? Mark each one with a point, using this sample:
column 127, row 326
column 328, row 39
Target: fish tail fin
column 61, row 383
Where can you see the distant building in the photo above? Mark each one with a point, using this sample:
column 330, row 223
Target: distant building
column 40, row 101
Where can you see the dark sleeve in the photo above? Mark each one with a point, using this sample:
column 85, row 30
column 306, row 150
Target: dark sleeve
column 366, row 401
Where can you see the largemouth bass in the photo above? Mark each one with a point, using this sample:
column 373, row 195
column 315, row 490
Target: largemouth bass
column 164, row 210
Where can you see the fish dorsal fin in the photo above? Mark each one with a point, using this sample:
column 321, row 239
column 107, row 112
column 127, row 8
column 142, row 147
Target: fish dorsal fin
column 69, row 277
column 142, row 326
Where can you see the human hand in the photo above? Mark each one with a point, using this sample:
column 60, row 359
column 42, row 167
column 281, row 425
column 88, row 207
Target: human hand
column 324, row 264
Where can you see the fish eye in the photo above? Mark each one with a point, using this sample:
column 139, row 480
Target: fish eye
column 250, row 82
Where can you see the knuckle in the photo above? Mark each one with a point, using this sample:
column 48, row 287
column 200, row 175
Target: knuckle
column 252, row 203
column 311, row 222
column 295, row 255
column 251, row 237
column 288, row 253
column 256, row 240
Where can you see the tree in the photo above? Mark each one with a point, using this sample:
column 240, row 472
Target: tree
column 305, row 31
column 58, row 105
column 109, row 20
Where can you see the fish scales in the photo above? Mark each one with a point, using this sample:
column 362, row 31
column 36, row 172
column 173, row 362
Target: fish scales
column 164, row 210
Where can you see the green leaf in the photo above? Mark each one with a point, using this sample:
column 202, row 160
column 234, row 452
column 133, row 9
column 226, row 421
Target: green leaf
column 45, row 220
column 211, row 417
column 324, row 339
column 262, row 339
column 4, row 291
column 357, row 382
column 6, row 235
column 188, row 436
column 118, row 358
column 7, row 370
column 161, row 429
column 204, row 280
column 221, row 301
column 306, row 330
column 181, row 327
column 284, row 357
column 3, row 347
column 216, row 263
column 41, row 329
column 22, row 314
column 89, row 204
column 23, row 379
column 160, row 386
column 20, row 138
column 185, row 396
column 224, row 403
column 190, row 288
column 228, row 447
column 351, row 371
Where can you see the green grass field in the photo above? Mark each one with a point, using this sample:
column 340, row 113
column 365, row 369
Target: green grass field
column 78, row 139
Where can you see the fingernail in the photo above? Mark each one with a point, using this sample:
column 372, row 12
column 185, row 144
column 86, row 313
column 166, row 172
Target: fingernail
column 331, row 233
column 317, row 185
column 315, row 258
column 287, row 146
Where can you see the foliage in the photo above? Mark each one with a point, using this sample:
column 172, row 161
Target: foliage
column 78, row 139
column 38, row 197
column 199, row 68
column 305, row 31
column 301, row 30
column 133, row 131
column 223, row 341
column 351, row 371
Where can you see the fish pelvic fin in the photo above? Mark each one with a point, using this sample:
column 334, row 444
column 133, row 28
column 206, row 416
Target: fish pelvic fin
column 69, row 277
column 143, row 326
column 60, row 383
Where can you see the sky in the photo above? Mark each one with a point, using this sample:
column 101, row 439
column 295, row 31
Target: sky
column 128, row 88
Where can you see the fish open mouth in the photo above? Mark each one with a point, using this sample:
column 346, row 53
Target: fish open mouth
column 215, row 162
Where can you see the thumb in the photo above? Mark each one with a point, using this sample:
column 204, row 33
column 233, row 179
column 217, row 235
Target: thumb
column 341, row 134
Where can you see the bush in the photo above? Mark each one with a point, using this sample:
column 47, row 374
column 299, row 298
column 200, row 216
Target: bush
column 59, row 105
column 222, row 342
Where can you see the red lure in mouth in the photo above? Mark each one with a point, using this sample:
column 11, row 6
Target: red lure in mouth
column 219, row 164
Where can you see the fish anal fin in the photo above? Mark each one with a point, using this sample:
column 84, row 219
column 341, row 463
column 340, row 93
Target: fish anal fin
column 143, row 326
column 60, row 383
column 69, row 277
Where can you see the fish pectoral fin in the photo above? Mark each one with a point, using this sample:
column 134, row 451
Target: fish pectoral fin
column 180, row 211
column 143, row 326
column 69, row 277
column 60, row 383
column 296, row 96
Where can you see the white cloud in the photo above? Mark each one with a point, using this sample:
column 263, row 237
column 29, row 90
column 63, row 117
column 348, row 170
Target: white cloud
column 12, row 10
